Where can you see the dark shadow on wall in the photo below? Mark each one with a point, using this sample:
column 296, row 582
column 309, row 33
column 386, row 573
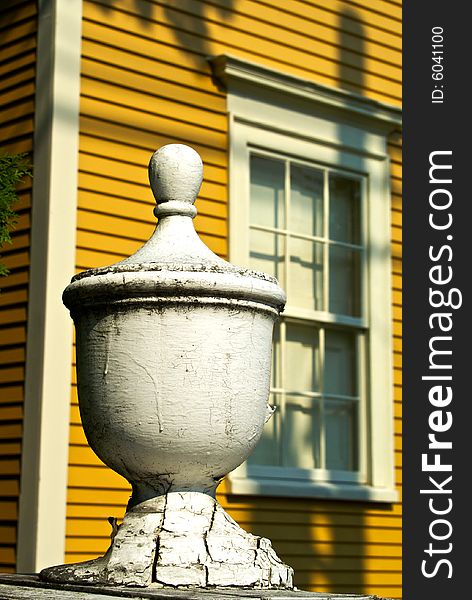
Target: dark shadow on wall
column 351, row 39
column 187, row 18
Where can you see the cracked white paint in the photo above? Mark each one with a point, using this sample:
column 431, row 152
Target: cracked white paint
column 181, row 539
column 173, row 365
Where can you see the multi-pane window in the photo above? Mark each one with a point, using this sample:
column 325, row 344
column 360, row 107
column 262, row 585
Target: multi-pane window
column 305, row 223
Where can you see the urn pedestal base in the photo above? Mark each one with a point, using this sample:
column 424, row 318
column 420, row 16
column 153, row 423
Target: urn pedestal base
column 180, row 539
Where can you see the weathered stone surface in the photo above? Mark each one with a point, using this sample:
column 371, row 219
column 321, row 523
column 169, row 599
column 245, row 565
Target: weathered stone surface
column 162, row 339
column 181, row 539
column 30, row 587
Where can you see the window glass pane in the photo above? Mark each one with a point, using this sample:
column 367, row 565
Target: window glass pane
column 267, row 450
column 302, row 361
column 306, row 200
column 344, row 281
column 340, row 363
column 340, row 421
column 267, row 192
column 301, row 433
column 344, row 209
column 305, row 285
column 267, row 253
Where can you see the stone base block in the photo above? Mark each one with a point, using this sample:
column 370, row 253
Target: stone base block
column 179, row 540
column 30, row 587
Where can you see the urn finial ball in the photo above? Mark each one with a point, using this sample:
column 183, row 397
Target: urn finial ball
column 175, row 174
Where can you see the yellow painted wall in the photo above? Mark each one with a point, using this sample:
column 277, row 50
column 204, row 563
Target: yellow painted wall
column 17, row 73
column 146, row 82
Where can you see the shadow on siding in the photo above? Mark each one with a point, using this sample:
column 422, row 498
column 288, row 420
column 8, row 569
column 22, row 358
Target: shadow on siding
column 188, row 19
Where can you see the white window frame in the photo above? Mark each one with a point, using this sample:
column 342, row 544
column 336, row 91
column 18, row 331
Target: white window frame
column 299, row 119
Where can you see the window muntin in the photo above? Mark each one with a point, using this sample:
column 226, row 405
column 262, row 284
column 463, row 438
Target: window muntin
column 305, row 229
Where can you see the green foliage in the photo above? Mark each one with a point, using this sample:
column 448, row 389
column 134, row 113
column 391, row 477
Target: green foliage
column 13, row 168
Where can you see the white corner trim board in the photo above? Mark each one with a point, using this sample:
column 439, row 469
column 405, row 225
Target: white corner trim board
column 42, row 506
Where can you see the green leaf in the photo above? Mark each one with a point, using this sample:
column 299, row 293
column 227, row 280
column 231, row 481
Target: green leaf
column 13, row 168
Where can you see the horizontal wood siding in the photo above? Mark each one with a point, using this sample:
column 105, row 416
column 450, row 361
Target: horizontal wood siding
column 17, row 83
column 146, row 82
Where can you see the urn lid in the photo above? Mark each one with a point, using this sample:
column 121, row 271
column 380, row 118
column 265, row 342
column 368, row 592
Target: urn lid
column 174, row 263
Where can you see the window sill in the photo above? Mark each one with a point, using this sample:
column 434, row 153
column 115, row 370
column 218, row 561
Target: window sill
column 287, row 488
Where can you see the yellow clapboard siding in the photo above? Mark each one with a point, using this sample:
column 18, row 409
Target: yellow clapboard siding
column 328, row 565
column 12, row 375
column 82, row 498
column 122, row 93
column 90, row 546
column 343, row 534
column 323, row 25
column 232, row 41
column 397, row 267
column 396, row 202
column 172, row 96
column 18, row 110
column 9, row 488
column 9, row 467
column 10, row 133
column 11, row 413
column 140, row 211
column 18, row 145
column 110, row 167
column 397, row 297
column 17, row 75
column 7, row 556
column 15, row 259
column 13, row 78
column 14, row 279
column 90, row 259
column 138, row 156
column 14, row 53
column 109, row 46
column 8, row 298
column 10, row 431
column 17, row 93
column 396, row 234
column 7, row 534
column 11, row 12
column 11, row 394
column 302, row 36
column 396, row 218
column 16, row 31
column 309, row 38
column 12, row 316
column 12, row 335
column 116, row 190
column 88, row 239
column 12, row 355
column 109, row 224
column 96, row 477
column 76, row 435
column 21, row 62
column 361, row 11
column 106, row 243
column 226, row 39
column 133, row 137
column 151, row 121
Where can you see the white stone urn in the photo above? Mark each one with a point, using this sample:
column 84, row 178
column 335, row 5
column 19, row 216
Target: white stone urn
column 173, row 368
